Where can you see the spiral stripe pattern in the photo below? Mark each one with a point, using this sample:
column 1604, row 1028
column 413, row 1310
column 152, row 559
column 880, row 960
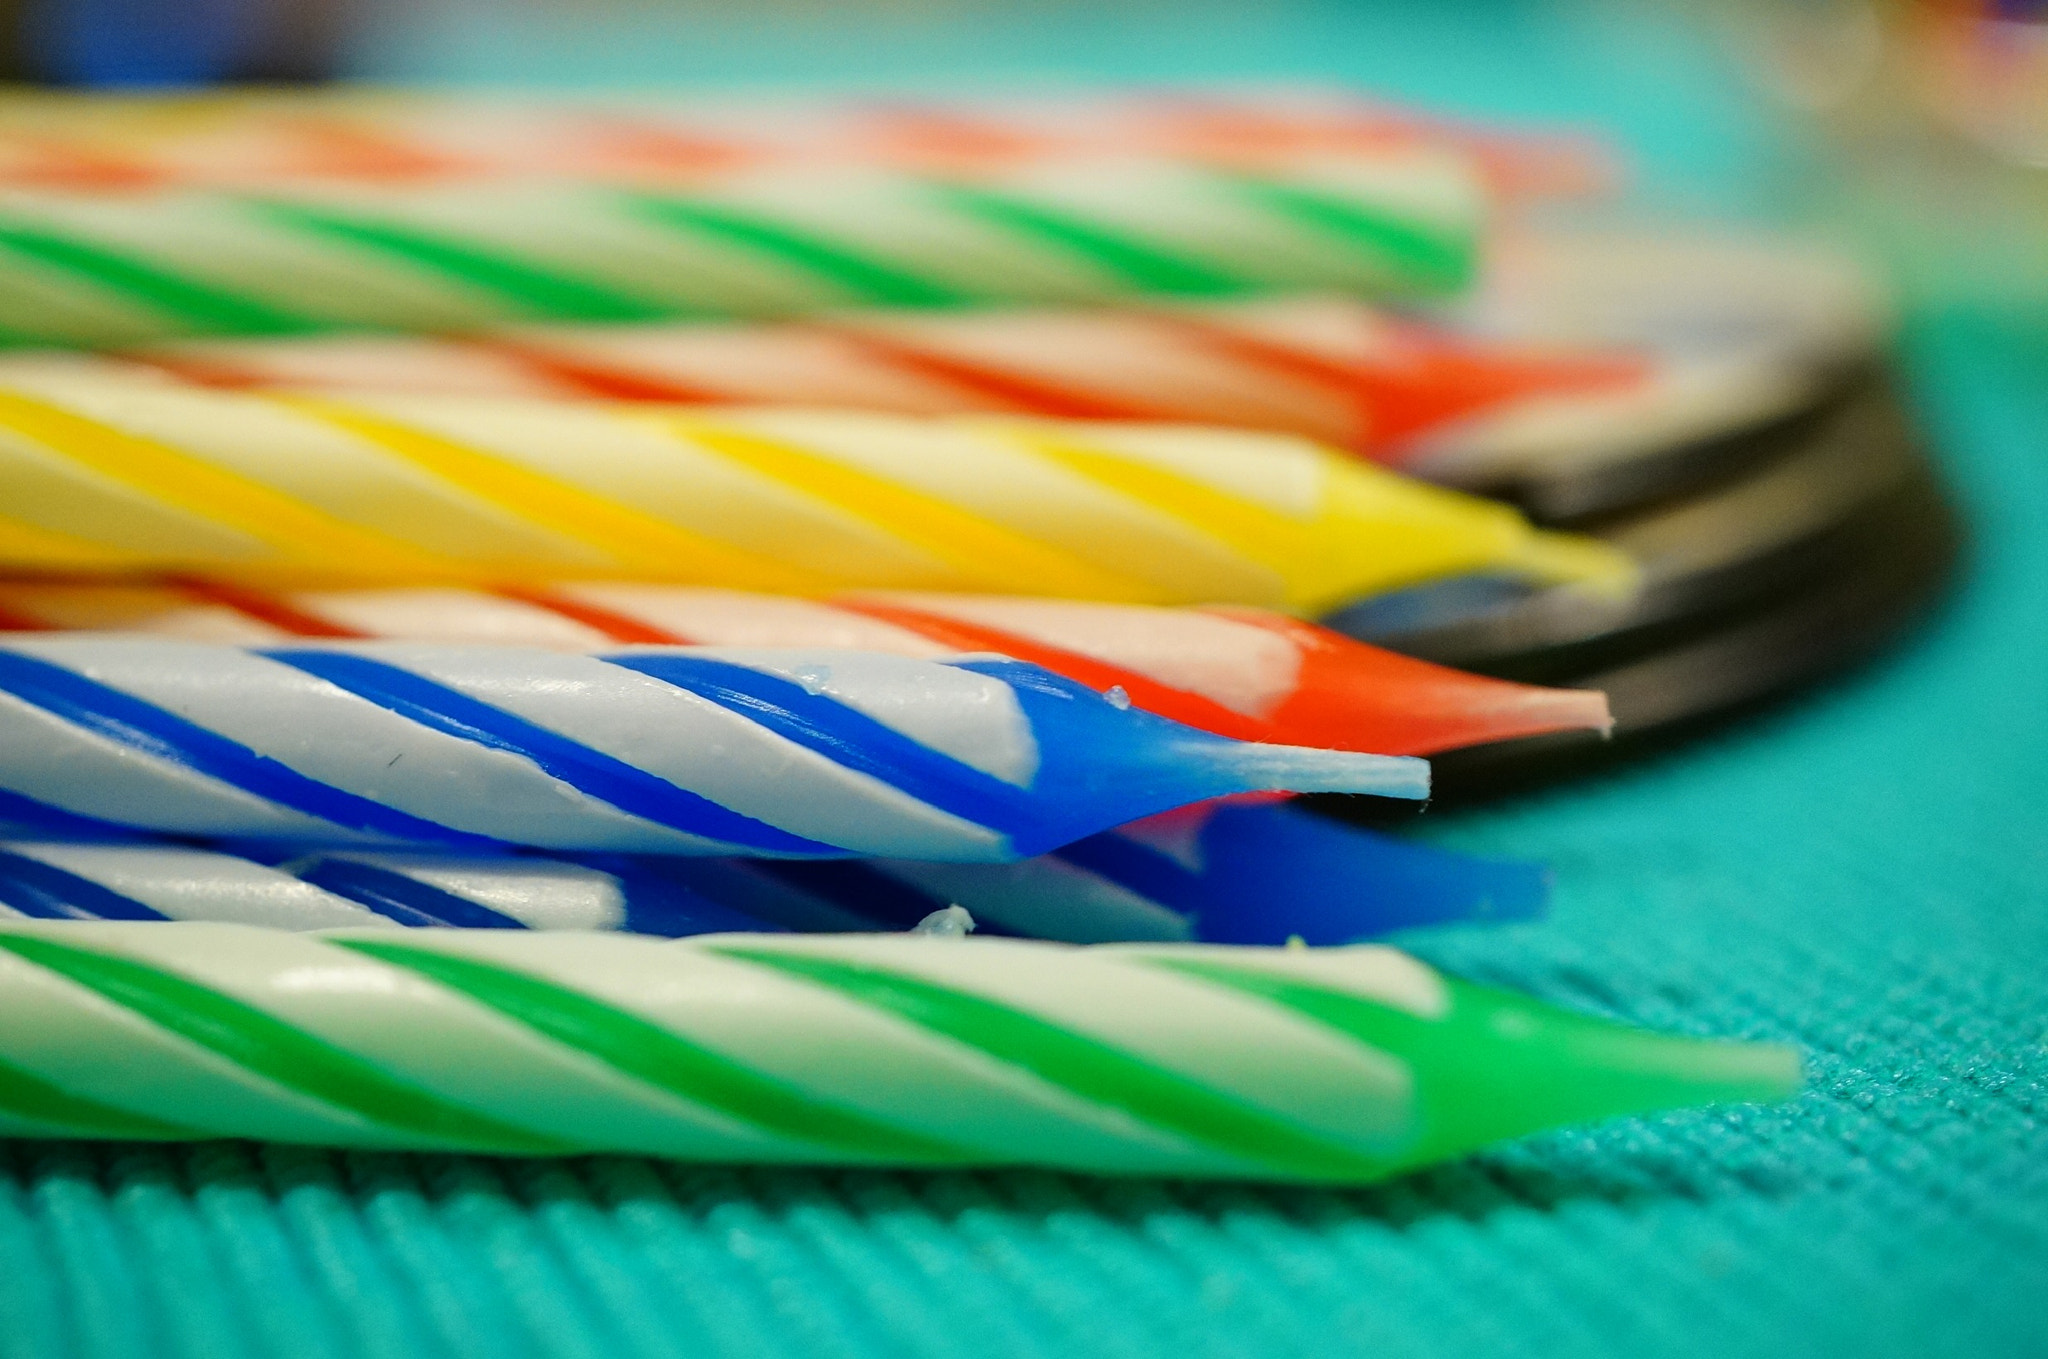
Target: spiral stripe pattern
column 326, row 889
column 1326, row 367
column 800, row 753
column 851, row 1049
column 1223, row 874
column 1242, row 672
column 116, row 473
column 506, row 250
column 272, row 137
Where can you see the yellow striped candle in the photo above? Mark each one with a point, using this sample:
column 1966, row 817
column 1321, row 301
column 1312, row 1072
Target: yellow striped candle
column 109, row 475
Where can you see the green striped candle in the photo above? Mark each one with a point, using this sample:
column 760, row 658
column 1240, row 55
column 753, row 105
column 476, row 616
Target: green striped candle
column 83, row 268
column 1328, row 1064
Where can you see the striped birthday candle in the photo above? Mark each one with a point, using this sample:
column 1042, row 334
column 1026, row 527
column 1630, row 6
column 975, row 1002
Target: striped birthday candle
column 99, row 269
column 1339, row 1065
column 1329, row 367
column 256, row 138
column 1222, row 873
column 791, row 753
column 105, row 474
column 1241, row 672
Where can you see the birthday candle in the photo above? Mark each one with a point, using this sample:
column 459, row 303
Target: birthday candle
column 1240, row 672
column 1329, row 367
column 312, row 889
column 806, row 754
column 255, row 139
column 106, row 474
column 84, row 268
column 1299, row 1064
column 1220, row 873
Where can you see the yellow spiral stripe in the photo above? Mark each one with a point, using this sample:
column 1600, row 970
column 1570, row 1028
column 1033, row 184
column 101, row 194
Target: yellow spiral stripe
column 1311, row 555
column 1370, row 531
column 296, row 531
column 988, row 555
column 637, row 541
column 27, row 545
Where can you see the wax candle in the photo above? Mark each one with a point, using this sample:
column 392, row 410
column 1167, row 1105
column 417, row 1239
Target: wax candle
column 1329, row 367
column 255, row 139
column 1231, row 873
column 799, row 753
column 1333, row 1065
column 1225, row 874
column 97, row 269
column 107, row 474
column 1243, row 672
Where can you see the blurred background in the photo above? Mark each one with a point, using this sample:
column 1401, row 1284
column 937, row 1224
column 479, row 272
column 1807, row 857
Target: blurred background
column 1921, row 129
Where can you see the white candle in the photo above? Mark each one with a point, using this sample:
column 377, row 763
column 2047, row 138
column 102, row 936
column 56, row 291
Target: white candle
column 1338, row 1065
column 666, row 750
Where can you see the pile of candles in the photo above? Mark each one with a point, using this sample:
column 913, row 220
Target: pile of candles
column 818, row 532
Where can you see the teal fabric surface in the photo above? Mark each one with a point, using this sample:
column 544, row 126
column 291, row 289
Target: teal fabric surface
column 1864, row 875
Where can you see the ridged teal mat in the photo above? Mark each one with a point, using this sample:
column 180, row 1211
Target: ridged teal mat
column 1864, row 874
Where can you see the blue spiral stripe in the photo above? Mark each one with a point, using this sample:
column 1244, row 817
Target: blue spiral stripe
column 591, row 772
column 18, row 811
column 163, row 735
column 845, row 736
column 48, row 892
column 671, row 895
column 398, row 897
column 1141, row 869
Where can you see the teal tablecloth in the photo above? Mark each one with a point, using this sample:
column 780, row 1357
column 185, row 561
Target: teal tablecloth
column 1864, row 874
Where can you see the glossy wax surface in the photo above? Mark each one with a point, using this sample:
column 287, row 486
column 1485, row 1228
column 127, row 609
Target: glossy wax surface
column 786, row 753
column 1326, row 366
column 1238, row 873
column 103, row 474
column 92, row 269
column 893, row 1049
column 1247, row 673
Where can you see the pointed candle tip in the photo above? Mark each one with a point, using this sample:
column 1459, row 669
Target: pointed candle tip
column 1500, row 710
column 1746, row 1073
column 1262, row 767
column 1570, row 710
column 1587, row 564
column 1541, row 1067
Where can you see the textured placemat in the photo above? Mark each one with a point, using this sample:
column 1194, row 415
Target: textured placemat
column 1864, row 874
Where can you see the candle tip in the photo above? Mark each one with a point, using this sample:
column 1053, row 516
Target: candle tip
column 1586, row 564
column 1263, row 767
column 1538, row 1066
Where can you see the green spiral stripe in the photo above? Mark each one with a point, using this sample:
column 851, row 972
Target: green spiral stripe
column 868, row 279
column 34, row 1100
column 534, row 289
column 666, row 1061
column 1138, row 263
column 20, row 339
column 1434, row 260
column 197, row 306
column 273, row 1049
column 1079, row 1065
